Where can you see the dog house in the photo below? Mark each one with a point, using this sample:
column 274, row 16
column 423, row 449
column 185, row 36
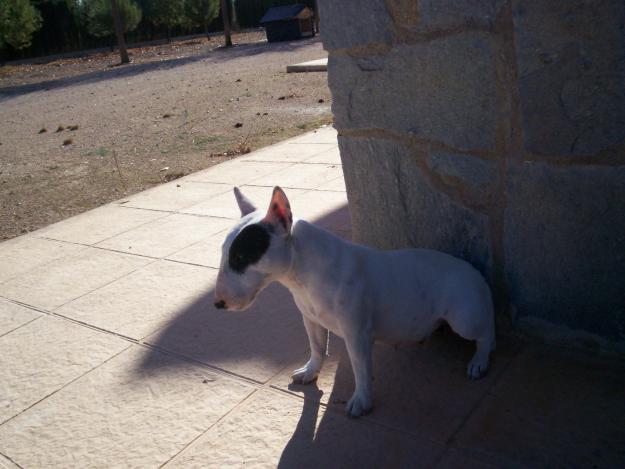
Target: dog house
column 287, row 23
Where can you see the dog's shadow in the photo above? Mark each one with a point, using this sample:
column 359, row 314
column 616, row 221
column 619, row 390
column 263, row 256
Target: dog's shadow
column 421, row 397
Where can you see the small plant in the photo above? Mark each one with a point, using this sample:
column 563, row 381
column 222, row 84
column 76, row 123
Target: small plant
column 101, row 152
column 43, row 130
column 67, row 142
column 60, row 128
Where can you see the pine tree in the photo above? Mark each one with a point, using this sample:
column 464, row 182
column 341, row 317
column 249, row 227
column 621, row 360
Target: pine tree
column 19, row 19
column 168, row 13
column 201, row 12
column 100, row 16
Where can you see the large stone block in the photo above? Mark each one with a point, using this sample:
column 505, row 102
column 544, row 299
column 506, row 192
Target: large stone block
column 565, row 246
column 436, row 15
column 570, row 61
column 352, row 24
column 443, row 90
column 473, row 177
column 394, row 204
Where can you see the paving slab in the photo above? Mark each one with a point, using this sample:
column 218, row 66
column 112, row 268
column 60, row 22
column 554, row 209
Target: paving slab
column 22, row 254
column 238, row 172
column 166, row 235
column 337, row 184
column 255, row 344
column 173, row 196
column 56, row 283
column 271, row 430
column 224, row 205
column 412, row 383
column 322, row 136
column 289, row 152
column 41, row 357
column 13, row 316
column 206, row 253
column 326, row 209
column 145, row 300
column 99, row 224
column 329, row 156
column 553, row 408
column 5, row 463
column 455, row 458
column 319, row 65
column 121, row 414
column 302, row 176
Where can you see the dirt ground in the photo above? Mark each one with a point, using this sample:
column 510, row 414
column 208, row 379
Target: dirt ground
column 78, row 133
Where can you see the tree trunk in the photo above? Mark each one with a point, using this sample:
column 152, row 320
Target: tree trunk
column 316, row 16
column 235, row 21
column 226, row 19
column 206, row 31
column 119, row 32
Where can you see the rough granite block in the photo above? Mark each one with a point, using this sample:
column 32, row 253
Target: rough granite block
column 442, row 90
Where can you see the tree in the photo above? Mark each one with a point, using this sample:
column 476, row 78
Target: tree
column 168, row 13
column 201, row 12
column 119, row 32
column 19, row 19
column 99, row 15
column 225, row 16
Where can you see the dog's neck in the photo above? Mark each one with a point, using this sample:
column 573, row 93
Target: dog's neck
column 315, row 257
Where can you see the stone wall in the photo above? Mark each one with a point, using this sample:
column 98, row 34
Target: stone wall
column 493, row 130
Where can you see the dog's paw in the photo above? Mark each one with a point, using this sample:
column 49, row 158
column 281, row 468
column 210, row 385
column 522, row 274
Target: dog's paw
column 305, row 375
column 358, row 406
column 476, row 369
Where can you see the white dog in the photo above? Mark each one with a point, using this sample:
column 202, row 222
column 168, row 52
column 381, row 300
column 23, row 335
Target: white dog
column 358, row 293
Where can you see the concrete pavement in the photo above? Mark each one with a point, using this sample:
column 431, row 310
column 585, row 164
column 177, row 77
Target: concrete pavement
column 111, row 354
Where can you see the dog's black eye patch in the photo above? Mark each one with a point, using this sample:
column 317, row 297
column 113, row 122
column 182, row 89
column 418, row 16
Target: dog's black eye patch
column 248, row 247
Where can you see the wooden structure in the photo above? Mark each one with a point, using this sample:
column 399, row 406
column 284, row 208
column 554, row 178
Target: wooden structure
column 287, row 23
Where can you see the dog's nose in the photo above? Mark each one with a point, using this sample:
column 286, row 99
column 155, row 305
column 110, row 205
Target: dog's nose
column 221, row 304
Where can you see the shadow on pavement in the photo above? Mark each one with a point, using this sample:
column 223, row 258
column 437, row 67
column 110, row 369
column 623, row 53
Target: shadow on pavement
column 426, row 412
column 254, row 344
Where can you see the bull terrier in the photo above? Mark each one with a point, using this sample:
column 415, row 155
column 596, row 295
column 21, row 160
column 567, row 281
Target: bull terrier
column 358, row 293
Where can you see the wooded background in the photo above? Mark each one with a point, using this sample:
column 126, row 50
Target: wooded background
column 32, row 28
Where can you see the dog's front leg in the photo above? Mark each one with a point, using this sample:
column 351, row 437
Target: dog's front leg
column 359, row 348
column 317, row 336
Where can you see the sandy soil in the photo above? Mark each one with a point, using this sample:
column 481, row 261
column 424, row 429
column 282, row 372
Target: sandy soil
column 176, row 109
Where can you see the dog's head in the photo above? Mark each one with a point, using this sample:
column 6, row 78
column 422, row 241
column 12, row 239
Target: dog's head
column 255, row 252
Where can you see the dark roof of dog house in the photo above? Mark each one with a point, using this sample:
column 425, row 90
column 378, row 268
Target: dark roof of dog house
column 283, row 13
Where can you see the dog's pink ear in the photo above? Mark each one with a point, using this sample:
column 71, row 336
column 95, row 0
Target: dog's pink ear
column 279, row 213
column 244, row 203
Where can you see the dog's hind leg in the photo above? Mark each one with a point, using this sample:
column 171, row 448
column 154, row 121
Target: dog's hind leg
column 317, row 337
column 359, row 348
column 480, row 328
